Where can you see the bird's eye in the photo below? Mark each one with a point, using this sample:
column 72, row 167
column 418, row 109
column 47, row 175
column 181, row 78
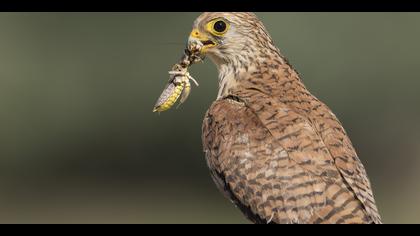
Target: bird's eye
column 219, row 26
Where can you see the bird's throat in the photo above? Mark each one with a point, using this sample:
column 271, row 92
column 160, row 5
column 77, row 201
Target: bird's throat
column 228, row 80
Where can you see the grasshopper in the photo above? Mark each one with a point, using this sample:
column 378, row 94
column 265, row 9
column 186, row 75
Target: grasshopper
column 178, row 85
column 179, row 80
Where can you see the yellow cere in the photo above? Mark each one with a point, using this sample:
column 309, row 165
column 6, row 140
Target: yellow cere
column 195, row 33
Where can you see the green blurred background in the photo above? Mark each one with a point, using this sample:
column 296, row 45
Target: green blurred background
column 79, row 142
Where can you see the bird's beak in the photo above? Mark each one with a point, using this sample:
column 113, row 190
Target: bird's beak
column 207, row 43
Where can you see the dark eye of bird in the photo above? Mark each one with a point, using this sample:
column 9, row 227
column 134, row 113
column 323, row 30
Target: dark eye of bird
column 219, row 26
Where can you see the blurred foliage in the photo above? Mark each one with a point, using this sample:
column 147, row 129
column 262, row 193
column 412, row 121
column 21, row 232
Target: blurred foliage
column 79, row 143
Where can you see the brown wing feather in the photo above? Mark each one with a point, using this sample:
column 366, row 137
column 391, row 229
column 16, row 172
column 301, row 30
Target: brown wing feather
column 271, row 162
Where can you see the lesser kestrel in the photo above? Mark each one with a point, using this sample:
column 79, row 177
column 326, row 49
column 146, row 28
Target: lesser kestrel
column 273, row 148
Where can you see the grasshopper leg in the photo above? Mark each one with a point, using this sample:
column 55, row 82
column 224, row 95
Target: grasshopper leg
column 185, row 92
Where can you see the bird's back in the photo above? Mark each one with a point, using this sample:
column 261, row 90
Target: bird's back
column 280, row 164
column 278, row 152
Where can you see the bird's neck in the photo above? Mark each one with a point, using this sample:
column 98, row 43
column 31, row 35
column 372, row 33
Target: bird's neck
column 228, row 80
column 258, row 72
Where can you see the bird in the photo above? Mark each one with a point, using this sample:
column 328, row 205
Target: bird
column 272, row 148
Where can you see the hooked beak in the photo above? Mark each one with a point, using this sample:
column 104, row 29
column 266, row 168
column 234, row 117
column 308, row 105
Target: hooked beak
column 204, row 40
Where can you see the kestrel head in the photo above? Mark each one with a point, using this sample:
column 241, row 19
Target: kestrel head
column 231, row 38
